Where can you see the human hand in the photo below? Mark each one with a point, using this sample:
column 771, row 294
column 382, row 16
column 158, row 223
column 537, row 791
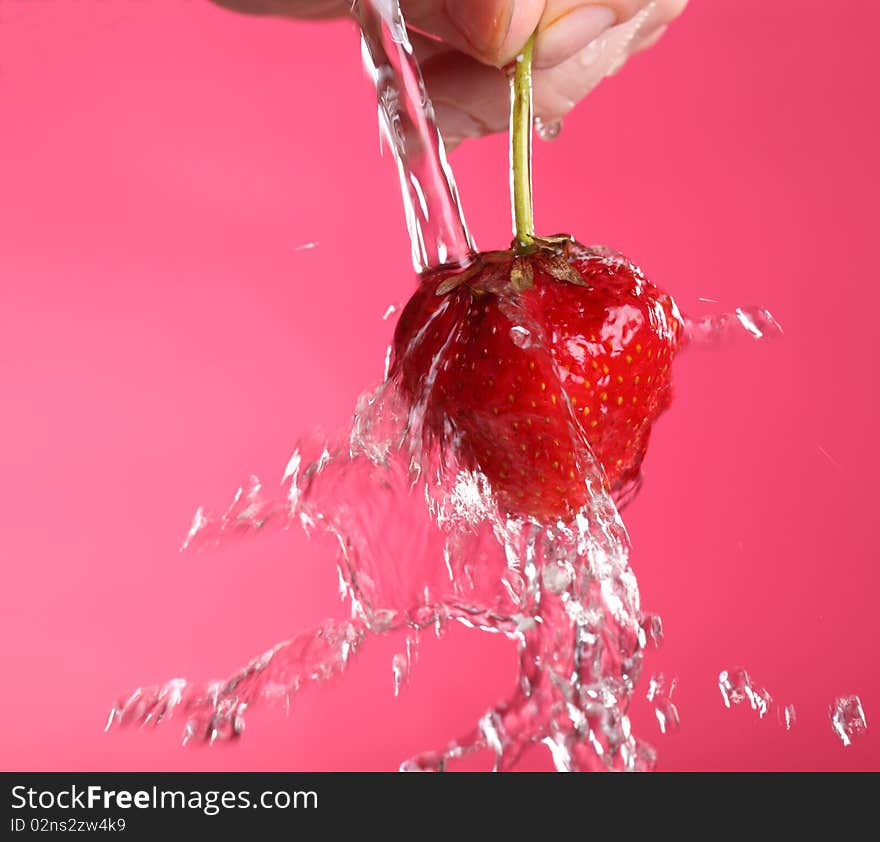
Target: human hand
column 468, row 42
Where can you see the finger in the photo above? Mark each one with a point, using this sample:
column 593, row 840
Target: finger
column 558, row 89
column 471, row 94
column 492, row 31
column 288, row 8
column 656, row 22
column 471, row 99
column 445, row 70
column 496, row 31
column 648, row 40
column 567, row 27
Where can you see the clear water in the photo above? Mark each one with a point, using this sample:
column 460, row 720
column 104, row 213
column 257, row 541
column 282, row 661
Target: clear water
column 659, row 694
column 738, row 688
column 434, row 216
column 421, row 542
column 548, row 130
column 786, row 716
column 848, row 719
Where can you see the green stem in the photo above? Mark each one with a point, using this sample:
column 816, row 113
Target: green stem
column 521, row 147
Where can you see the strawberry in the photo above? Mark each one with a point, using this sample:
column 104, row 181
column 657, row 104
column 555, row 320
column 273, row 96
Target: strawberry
column 527, row 360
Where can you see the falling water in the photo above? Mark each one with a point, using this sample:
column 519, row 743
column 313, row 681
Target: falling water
column 434, row 217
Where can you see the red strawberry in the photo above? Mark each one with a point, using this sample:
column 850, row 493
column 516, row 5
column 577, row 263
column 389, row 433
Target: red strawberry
column 517, row 358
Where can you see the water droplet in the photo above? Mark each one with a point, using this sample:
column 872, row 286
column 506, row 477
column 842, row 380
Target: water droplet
column 548, row 130
column 342, row 584
column 659, row 693
column 196, row 529
column 848, row 718
column 787, row 716
column 522, row 337
column 400, row 671
column 651, row 630
column 667, row 716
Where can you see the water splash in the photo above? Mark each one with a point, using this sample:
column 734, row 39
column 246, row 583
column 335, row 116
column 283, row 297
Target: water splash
column 736, row 687
column 215, row 711
column 402, row 662
column 848, row 718
column 422, row 543
column 651, row 631
column 714, row 330
column 659, row 693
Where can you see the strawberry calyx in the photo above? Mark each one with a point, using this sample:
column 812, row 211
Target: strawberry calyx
column 516, row 266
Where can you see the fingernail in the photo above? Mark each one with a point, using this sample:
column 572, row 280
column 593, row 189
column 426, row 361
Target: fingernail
column 570, row 33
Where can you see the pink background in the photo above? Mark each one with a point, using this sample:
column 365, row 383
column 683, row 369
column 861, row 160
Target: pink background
column 161, row 338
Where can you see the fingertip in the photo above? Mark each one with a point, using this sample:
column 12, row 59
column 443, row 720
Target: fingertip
column 494, row 31
column 649, row 40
